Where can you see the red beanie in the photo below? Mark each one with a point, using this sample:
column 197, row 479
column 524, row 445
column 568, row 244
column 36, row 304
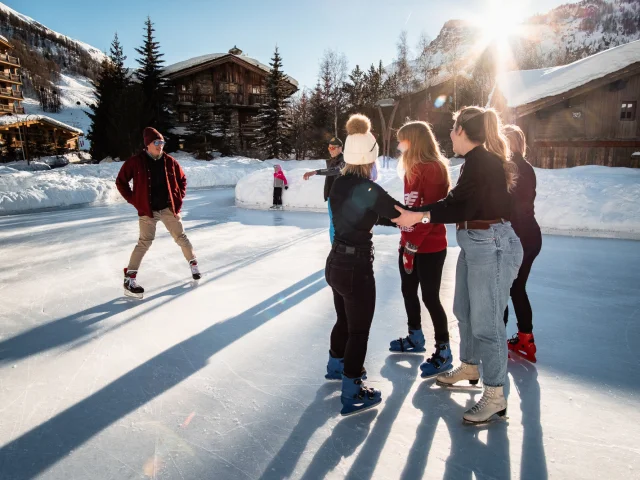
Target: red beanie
column 150, row 134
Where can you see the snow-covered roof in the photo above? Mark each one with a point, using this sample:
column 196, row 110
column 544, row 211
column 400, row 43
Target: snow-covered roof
column 522, row 87
column 13, row 119
column 195, row 61
column 4, row 39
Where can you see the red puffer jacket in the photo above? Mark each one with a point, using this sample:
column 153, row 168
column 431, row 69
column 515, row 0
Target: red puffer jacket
column 136, row 169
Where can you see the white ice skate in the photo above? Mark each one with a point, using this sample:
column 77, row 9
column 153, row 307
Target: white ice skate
column 492, row 403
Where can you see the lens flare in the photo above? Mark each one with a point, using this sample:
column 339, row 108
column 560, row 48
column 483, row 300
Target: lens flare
column 440, row 101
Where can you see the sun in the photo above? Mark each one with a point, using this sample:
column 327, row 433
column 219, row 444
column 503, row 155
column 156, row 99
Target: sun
column 502, row 21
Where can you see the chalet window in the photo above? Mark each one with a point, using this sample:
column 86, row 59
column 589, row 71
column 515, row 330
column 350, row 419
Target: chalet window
column 184, row 117
column 183, row 88
column 255, row 90
column 628, row 110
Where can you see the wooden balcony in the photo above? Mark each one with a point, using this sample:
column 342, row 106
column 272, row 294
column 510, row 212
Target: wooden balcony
column 249, row 129
column 11, row 109
column 10, row 93
column 8, row 59
column 10, row 77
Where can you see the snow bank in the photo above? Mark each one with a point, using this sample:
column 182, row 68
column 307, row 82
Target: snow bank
column 584, row 201
column 78, row 184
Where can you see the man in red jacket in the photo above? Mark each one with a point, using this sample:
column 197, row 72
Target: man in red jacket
column 159, row 187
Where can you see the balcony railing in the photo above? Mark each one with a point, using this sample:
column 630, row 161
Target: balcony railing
column 10, row 77
column 9, row 59
column 11, row 109
column 8, row 92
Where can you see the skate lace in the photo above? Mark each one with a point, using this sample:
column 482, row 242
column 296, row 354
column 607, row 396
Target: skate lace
column 455, row 371
column 194, row 268
column 486, row 396
column 132, row 282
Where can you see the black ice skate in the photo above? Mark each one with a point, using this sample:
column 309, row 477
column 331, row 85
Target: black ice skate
column 131, row 287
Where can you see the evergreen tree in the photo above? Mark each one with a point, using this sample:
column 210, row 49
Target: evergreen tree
column 222, row 125
column 112, row 81
column 321, row 122
column 202, row 125
column 154, row 86
column 355, row 91
column 274, row 134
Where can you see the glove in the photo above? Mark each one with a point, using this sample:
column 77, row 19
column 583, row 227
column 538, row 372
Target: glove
column 286, row 187
column 408, row 257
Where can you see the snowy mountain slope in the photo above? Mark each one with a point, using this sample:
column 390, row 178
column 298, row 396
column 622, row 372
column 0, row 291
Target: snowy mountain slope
column 563, row 35
column 95, row 53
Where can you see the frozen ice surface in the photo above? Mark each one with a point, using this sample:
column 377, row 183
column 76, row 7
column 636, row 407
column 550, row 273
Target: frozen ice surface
column 225, row 380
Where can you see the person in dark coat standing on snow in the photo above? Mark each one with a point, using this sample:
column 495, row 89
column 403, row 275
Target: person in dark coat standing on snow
column 334, row 166
column 159, row 187
column 357, row 204
column 526, row 227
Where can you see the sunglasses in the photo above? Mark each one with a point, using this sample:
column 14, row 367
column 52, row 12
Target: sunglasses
column 331, row 147
column 158, row 143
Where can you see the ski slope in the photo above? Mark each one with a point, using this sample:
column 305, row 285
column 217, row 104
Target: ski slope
column 225, row 380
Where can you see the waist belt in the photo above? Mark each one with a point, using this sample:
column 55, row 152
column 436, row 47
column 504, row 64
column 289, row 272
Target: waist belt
column 358, row 252
column 478, row 224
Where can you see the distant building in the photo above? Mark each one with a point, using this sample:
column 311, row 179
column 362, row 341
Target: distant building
column 238, row 79
column 27, row 132
column 584, row 113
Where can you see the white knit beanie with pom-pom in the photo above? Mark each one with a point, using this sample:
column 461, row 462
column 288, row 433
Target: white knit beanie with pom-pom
column 360, row 147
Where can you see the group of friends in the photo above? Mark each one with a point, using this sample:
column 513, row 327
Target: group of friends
column 492, row 206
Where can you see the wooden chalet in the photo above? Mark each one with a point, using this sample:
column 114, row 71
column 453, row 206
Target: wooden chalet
column 584, row 113
column 231, row 77
column 29, row 131
column 10, row 80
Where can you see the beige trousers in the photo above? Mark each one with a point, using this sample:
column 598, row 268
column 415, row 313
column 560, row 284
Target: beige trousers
column 148, row 233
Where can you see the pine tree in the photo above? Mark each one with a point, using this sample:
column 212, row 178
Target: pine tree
column 355, row 91
column 111, row 83
column 274, row 134
column 202, row 125
column 301, row 123
column 321, row 122
column 222, row 125
column 154, row 86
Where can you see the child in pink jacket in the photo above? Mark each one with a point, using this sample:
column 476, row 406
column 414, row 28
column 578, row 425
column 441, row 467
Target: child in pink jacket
column 279, row 181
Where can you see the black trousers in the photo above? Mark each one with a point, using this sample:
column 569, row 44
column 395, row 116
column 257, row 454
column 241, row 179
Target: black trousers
column 427, row 274
column 354, row 296
column 277, row 195
column 519, row 296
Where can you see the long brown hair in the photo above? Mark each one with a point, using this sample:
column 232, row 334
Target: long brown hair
column 515, row 137
column 483, row 125
column 423, row 148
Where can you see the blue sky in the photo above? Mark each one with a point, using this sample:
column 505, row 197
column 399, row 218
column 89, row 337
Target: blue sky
column 365, row 31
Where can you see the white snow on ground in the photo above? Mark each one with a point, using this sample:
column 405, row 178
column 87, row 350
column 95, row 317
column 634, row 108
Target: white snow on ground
column 226, row 381
column 525, row 86
column 74, row 89
column 589, row 200
column 82, row 184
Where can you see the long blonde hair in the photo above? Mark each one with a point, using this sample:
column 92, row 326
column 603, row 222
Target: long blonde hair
column 515, row 137
column 483, row 125
column 423, row 149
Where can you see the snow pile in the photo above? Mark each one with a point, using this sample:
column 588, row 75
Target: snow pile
column 23, row 166
column 588, row 200
column 78, row 184
column 525, row 86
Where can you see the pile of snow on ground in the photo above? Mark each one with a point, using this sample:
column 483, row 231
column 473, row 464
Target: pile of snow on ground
column 587, row 200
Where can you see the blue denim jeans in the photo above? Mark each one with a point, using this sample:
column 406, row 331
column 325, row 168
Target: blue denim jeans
column 487, row 266
column 332, row 231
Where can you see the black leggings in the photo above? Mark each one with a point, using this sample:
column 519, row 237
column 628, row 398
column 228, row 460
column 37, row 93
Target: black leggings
column 277, row 195
column 354, row 295
column 519, row 296
column 427, row 273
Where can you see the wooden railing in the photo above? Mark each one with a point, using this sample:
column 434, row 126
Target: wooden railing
column 10, row 76
column 11, row 109
column 9, row 59
column 8, row 92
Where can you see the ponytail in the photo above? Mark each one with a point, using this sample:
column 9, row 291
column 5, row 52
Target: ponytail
column 483, row 126
column 497, row 144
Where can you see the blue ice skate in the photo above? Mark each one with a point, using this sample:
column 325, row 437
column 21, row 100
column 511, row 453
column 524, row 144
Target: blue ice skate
column 335, row 367
column 356, row 397
column 441, row 361
column 413, row 343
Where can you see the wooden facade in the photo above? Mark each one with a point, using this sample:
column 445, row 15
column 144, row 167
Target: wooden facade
column 29, row 133
column 11, row 95
column 593, row 124
column 232, row 78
